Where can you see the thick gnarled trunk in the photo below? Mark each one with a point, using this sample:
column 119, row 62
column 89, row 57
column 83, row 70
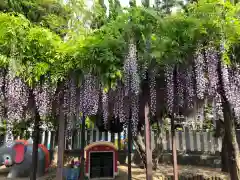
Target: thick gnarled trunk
column 139, row 144
column 36, row 135
column 232, row 146
column 157, row 151
column 224, row 155
column 230, row 131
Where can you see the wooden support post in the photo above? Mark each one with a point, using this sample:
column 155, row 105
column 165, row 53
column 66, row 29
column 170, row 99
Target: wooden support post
column 174, row 148
column 149, row 172
column 119, row 137
column 119, row 141
column 129, row 149
column 113, row 138
column 53, row 142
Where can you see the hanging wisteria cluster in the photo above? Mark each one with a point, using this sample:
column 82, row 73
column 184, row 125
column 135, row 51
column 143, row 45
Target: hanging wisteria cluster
column 90, row 93
column 132, row 83
column 43, row 96
column 81, row 95
column 191, row 82
column 131, row 76
column 189, row 88
column 153, row 93
column 17, row 98
column 231, row 87
column 200, row 74
column 194, row 82
column 169, row 87
column 105, row 107
column 180, row 87
column 14, row 100
column 201, row 81
column 93, row 98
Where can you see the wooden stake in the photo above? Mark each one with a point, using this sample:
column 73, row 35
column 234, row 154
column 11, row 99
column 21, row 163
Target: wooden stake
column 149, row 172
column 174, row 150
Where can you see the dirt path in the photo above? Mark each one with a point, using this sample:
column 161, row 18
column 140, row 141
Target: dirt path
column 166, row 171
column 4, row 171
column 139, row 174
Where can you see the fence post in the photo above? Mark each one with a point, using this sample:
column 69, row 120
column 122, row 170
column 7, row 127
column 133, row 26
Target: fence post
column 49, row 140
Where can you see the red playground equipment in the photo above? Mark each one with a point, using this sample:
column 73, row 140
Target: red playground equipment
column 101, row 160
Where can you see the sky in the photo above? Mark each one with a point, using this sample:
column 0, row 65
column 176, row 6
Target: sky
column 124, row 3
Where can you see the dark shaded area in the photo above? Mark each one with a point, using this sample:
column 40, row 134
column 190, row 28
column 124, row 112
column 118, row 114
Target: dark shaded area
column 101, row 164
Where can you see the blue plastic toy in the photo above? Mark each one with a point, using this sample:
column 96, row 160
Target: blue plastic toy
column 71, row 173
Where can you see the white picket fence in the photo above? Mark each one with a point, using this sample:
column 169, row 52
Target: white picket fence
column 186, row 141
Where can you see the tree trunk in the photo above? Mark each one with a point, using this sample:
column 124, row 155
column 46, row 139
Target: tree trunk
column 232, row 145
column 61, row 145
column 36, row 135
column 219, row 133
column 61, row 136
column 140, row 147
column 157, row 152
column 230, row 131
column 224, row 155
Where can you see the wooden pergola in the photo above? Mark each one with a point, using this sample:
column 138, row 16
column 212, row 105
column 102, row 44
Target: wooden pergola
column 143, row 118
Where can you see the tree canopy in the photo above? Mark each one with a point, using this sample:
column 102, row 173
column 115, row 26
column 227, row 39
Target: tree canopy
column 111, row 63
column 47, row 13
column 36, row 50
column 173, row 38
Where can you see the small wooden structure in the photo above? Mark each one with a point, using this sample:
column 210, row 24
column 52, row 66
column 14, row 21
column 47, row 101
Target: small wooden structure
column 101, row 160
